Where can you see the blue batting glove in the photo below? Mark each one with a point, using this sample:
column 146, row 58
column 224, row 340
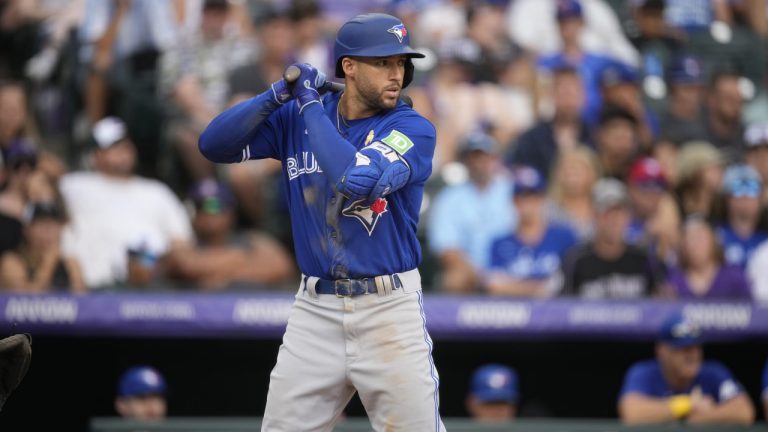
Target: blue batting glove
column 281, row 92
column 305, row 89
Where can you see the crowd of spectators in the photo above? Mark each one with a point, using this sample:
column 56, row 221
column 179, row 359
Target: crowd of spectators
column 592, row 148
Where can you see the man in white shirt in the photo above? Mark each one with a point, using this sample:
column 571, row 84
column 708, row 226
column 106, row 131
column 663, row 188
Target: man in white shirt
column 114, row 211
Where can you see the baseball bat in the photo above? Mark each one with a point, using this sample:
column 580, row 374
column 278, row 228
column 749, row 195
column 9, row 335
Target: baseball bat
column 292, row 73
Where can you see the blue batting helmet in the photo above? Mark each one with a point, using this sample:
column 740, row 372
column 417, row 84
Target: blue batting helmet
column 374, row 35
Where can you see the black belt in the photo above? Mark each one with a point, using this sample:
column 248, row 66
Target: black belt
column 352, row 287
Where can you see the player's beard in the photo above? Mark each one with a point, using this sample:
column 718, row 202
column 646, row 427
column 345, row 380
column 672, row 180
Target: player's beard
column 376, row 98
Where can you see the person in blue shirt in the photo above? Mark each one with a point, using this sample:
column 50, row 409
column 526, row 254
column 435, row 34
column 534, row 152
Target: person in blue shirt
column 354, row 165
column 493, row 394
column 528, row 261
column 459, row 229
column 678, row 385
column 741, row 234
column 590, row 65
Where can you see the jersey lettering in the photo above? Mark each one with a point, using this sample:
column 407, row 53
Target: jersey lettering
column 296, row 166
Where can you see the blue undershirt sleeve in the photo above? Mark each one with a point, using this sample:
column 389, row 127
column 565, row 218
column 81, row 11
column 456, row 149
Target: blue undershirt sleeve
column 227, row 137
column 333, row 153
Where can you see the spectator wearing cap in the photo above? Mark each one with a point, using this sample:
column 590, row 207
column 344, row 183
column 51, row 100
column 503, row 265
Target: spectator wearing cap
column 679, row 385
column 609, row 267
column 460, row 231
column 702, row 272
column 539, row 146
column 620, row 86
column 655, row 219
column 527, row 263
column 38, row 264
column 699, row 178
column 221, row 259
column 741, row 233
column 141, row 394
column 570, row 192
column 756, row 152
column 493, row 394
column 684, row 118
column 114, row 211
column 616, row 140
column 590, row 65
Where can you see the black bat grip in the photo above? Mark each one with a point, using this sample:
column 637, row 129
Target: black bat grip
column 291, row 74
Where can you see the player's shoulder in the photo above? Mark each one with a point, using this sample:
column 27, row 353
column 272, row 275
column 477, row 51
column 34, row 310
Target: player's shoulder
column 403, row 115
column 714, row 368
column 645, row 368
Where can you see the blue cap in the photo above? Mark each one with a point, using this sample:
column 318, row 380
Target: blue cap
column 141, row 381
column 212, row 196
column 742, row 181
column 685, row 69
column 527, row 179
column 680, row 332
column 479, row 141
column 568, row 9
column 495, row 383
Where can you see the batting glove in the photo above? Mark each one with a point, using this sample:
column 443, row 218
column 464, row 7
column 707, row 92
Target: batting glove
column 281, row 93
column 305, row 88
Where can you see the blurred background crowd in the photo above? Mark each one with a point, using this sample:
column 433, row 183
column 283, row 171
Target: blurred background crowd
column 603, row 149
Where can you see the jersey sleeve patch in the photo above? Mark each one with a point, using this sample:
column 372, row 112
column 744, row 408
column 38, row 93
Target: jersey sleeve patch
column 398, row 141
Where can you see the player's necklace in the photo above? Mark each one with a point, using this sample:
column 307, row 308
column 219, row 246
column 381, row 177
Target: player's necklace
column 339, row 117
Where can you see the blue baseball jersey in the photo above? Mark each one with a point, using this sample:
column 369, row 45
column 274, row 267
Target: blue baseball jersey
column 335, row 237
column 714, row 380
column 533, row 261
column 738, row 250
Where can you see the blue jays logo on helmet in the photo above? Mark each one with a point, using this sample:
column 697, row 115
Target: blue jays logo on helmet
column 368, row 215
column 398, row 30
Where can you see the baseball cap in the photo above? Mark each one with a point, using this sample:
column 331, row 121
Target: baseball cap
column 756, row 135
column 527, row 180
column 141, row 381
column 568, row 9
column 109, row 131
column 646, row 172
column 615, row 74
column 742, row 181
column 680, row 332
column 478, row 141
column 685, row 69
column 495, row 383
column 650, row 4
column 608, row 193
column 211, row 196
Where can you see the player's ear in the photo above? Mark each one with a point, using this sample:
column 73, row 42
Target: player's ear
column 348, row 65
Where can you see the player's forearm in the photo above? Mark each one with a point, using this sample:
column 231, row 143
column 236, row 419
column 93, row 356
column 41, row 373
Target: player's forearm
column 738, row 410
column 334, row 154
column 636, row 409
column 230, row 132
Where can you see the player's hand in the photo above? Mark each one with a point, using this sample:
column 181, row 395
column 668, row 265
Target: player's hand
column 305, row 89
column 281, row 92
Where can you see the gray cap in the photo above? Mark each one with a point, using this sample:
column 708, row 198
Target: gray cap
column 608, row 193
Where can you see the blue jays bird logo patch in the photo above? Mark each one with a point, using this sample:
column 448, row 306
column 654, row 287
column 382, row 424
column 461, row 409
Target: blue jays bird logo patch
column 399, row 31
column 367, row 215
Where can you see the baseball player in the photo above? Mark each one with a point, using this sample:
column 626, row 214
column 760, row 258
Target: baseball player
column 355, row 163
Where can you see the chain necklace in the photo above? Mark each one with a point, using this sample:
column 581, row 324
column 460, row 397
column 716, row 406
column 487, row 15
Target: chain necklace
column 340, row 118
